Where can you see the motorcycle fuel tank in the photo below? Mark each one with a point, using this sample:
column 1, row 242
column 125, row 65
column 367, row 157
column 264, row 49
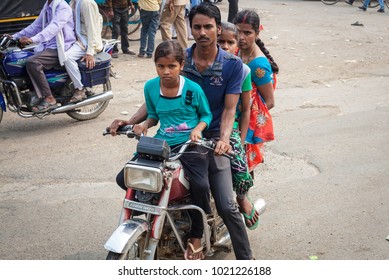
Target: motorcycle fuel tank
column 15, row 62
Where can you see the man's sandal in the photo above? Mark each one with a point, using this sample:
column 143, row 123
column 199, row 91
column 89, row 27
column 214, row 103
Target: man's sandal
column 44, row 106
column 193, row 254
column 78, row 95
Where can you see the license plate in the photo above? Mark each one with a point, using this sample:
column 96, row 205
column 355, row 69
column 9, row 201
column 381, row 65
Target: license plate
column 141, row 207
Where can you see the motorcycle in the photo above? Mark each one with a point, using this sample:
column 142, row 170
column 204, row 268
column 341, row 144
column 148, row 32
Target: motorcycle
column 17, row 93
column 155, row 222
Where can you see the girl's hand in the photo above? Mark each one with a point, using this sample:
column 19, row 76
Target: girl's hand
column 195, row 135
column 139, row 129
column 115, row 125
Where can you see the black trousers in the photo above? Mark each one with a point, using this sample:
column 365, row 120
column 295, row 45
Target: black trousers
column 232, row 10
column 120, row 27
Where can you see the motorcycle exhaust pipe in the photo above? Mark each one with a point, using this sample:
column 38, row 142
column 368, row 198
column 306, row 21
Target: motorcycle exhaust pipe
column 89, row 101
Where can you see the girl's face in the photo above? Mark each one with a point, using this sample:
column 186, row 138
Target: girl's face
column 246, row 36
column 227, row 41
column 168, row 68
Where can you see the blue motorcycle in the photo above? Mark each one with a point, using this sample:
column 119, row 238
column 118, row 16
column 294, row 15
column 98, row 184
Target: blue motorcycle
column 17, row 92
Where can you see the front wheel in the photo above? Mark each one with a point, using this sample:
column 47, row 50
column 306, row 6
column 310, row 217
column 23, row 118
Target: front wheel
column 92, row 111
column 134, row 250
column 330, row 2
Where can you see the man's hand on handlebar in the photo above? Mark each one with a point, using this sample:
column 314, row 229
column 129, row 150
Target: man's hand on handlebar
column 222, row 148
column 25, row 41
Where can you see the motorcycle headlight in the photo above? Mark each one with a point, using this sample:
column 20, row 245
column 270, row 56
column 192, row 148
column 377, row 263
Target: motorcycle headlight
column 145, row 178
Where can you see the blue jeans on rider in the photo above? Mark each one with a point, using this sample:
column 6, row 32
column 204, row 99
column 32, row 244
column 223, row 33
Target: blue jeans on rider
column 150, row 22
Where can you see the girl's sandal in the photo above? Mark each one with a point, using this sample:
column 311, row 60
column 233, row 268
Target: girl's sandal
column 193, row 254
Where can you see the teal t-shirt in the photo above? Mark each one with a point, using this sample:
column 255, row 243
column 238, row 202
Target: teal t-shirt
column 177, row 115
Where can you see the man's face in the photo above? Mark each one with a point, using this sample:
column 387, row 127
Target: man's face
column 204, row 30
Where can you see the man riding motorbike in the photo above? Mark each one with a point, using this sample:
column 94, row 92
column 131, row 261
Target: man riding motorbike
column 53, row 31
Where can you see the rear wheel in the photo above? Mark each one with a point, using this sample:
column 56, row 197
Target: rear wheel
column 94, row 110
column 1, row 114
column 330, row 2
column 134, row 250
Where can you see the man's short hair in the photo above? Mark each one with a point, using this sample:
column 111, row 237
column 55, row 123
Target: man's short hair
column 207, row 9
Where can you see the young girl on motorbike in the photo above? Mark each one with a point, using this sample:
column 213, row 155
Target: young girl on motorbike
column 241, row 178
column 182, row 109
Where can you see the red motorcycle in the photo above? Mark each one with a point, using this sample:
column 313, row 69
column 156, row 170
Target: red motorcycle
column 155, row 222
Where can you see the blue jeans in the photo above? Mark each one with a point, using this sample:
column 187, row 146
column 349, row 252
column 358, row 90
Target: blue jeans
column 367, row 2
column 150, row 22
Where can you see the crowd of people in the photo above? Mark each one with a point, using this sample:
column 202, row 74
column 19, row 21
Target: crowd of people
column 221, row 88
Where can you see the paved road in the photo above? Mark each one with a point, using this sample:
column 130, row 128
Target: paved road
column 325, row 178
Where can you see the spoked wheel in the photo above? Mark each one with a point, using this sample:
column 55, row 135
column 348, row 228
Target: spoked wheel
column 133, row 251
column 134, row 23
column 94, row 110
column 330, row 2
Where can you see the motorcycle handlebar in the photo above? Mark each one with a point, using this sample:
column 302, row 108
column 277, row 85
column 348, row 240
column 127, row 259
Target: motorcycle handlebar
column 206, row 143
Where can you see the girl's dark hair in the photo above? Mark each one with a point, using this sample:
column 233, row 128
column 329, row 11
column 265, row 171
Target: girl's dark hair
column 252, row 18
column 206, row 9
column 169, row 48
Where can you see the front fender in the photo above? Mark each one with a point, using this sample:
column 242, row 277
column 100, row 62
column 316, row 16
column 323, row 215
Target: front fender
column 129, row 230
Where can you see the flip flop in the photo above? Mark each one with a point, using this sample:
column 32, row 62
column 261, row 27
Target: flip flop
column 43, row 107
column 190, row 251
column 249, row 217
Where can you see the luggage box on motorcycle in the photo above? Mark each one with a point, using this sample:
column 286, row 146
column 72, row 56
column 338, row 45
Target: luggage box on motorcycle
column 99, row 74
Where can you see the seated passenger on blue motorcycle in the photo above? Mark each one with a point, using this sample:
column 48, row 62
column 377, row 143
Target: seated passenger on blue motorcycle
column 53, row 31
column 88, row 25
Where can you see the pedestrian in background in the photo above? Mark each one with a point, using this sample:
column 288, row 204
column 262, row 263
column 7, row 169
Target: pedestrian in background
column 118, row 9
column 149, row 16
column 173, row 14
column 232, row 9
column 367, row 3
